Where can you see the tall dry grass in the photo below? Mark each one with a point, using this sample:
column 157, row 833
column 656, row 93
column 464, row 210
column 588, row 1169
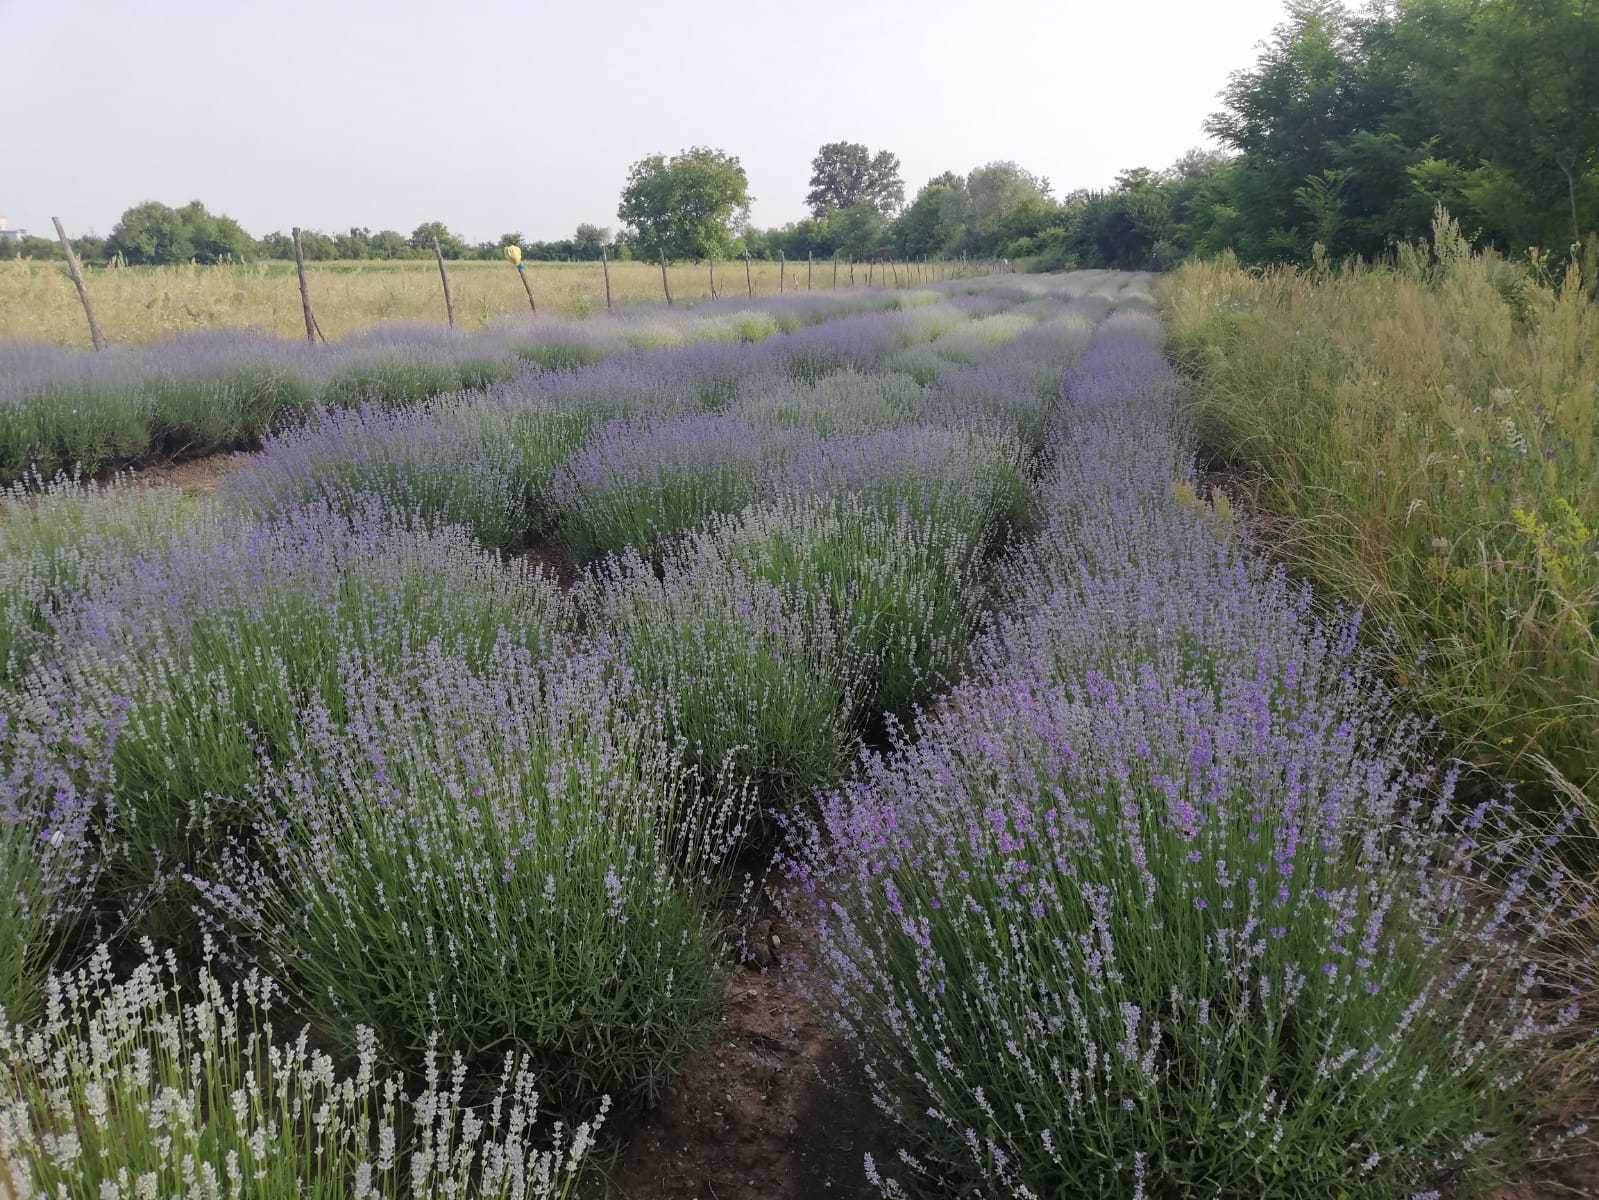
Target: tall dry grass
column 1426, row 431
column 142, row 304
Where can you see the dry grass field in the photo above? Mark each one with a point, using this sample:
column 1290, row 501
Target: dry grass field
column 142, row 304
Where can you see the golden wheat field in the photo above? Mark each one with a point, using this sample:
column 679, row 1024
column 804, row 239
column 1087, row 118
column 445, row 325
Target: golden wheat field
column 142, row 304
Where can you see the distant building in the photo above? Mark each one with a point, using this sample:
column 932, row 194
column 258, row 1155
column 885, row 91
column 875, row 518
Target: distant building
column 9, row 233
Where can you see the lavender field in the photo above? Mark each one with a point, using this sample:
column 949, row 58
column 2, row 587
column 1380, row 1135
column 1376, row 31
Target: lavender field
column 392, row 821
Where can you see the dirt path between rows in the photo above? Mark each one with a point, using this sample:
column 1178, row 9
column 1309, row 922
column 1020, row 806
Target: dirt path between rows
column 775, row 1108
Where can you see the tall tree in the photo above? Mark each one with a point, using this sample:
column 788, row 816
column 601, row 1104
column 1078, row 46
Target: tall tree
column 933, row 222
column 691, row 205
column 589, row 240
column 845, row 174
column 450, row 245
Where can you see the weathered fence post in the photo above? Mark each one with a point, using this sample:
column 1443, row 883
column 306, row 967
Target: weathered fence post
column 749, row 283
column 782, row 265
column 605, row 268
column 312, row 329
column 712, row 261
column 835, row 270
column 665, row 286
column 808, row 264
column 76, row 272
column 852, row 272
column 444, row 278
column 513, row 255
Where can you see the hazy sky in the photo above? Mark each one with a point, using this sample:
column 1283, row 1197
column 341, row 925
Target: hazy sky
column 494, row 116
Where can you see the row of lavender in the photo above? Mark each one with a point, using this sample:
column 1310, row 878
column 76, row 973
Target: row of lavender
column 75, row 411
column 1168, row 898
column 470, row 824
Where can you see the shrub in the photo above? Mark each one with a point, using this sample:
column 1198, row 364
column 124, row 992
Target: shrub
column 483, row 469
column 848, row 402
column 639, row 481
column 192, row 669
column 1103, row 938
column 236, row 406
column 748, row 677
column 134, row 1087
column 62, row 537
column 905, row 592
column 507, row 860
column 973, row 480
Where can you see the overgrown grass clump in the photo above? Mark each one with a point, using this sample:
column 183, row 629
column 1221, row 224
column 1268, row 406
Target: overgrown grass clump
column 1425, row 434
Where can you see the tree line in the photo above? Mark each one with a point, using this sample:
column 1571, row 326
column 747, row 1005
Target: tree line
column 1342, row 138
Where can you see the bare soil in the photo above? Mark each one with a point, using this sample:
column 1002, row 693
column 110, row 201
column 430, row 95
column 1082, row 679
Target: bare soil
column 197, row 476
column 775, row 1108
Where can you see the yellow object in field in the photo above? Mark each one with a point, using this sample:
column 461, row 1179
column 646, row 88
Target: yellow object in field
column 513, row 254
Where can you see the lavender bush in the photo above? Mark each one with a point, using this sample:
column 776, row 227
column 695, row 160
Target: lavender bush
column 905, row 593
column 751, row 678
column 1102, row 938
column 503, row 859
column 61, row 537
column 486, row 466
column 139, row 1086
column 1169, row 900
column 190, row 669
column 972, row 480
column 847, row 402
column 639, row 481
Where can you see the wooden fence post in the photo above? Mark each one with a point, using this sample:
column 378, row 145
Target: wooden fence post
column 665, row 286
column 605, row 267
column 782, row 265
column 835, row 270
column 312, row 329
column 808, row 264
column 852, row 272
column 712, row 261
column 749, row 283
column 76, row 272
column 521, row 272
column 444, row 278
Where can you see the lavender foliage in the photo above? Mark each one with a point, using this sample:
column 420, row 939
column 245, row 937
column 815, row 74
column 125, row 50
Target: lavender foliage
column 1169, row 899
column 504, row 859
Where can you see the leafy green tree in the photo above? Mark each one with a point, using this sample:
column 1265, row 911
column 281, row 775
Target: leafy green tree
column 860, row 231
column 389, row 243
column 450, row 245
column 1522, row 91
column 846, row 174
column 933, row 223
column 151, row 234
column 995, row 194
column 589, row 240
column 691, row 205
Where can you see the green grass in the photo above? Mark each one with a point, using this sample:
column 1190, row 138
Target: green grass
column 1425, row 437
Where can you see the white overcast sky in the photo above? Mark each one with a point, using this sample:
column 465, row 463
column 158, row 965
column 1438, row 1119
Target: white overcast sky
column 493, row 116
